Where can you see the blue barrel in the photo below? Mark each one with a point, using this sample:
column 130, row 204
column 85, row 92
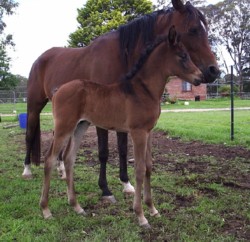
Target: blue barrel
column 22, row 117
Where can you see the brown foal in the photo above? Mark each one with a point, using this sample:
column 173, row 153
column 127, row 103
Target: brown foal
column 131, row 106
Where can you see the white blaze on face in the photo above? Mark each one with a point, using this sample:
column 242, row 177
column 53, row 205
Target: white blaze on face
column 203, row 26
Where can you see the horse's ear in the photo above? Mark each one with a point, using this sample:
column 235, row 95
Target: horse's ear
column 172, row 36
column 178, row 5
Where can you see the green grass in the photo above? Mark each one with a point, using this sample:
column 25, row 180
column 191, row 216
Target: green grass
column 194, row 206
column 211, row 127
column 10, row 108
column 210, row 103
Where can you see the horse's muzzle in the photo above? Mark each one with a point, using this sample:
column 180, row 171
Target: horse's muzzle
column 197, row 82
column 211, row 73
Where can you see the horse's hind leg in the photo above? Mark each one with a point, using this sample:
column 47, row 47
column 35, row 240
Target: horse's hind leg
column 60, row 166
column 122, row 141
column 48, row 167
column 33, row 136
column 103, row 157
column 69, row 157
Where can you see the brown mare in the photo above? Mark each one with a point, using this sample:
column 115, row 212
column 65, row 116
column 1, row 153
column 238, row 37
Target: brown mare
column 132, row 106
column 105, row 61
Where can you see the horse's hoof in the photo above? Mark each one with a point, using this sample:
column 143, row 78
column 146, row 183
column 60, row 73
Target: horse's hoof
column 27, row 172
column 143, row 222
column 110, row 199
column 155, row 214
column 146, row 226
column 27, row 176
column 81, row 212
column 61, row 170
column 132, row 160
column 47, row 215
column 128, row 188
column 63, row 177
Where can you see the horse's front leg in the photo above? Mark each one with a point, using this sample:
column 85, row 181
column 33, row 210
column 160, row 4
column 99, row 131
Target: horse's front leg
column 103, row 153
column 122, row 141
column 147, row 185
column 48, row 167
column 140, row 138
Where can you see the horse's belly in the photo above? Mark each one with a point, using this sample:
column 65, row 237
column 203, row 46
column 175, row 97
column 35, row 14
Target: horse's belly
column 108, row 120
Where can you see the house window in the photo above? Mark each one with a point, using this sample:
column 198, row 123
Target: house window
column 186, row 86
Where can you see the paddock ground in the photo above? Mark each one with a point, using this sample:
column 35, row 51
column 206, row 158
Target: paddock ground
column 199, row 164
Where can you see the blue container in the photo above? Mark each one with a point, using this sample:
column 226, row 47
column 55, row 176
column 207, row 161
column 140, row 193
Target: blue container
column 22, row 117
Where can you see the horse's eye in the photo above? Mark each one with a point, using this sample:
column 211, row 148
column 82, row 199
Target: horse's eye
column 183, row 56
column 193, row 31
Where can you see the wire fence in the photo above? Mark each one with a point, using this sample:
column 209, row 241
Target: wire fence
column 12, row 102
column 11, row 96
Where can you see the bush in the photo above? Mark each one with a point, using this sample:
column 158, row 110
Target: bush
column 225, row 90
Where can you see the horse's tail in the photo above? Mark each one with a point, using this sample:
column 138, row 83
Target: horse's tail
column 36, row 146
column 36, row 101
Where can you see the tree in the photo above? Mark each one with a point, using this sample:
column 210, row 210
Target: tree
column 7, row 80
column 229, row 25
column 6, row 8
column 160, row 4
column 100, row 16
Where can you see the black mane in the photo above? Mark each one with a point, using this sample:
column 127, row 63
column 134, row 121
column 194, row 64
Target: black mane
column 126, row 84
column 142, row 27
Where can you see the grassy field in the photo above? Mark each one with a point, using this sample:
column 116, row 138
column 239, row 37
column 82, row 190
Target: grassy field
column 210, row 127
column 10, row 108
column 195, row 205
column 210, row 103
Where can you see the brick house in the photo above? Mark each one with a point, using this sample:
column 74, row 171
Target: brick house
column 183, row 90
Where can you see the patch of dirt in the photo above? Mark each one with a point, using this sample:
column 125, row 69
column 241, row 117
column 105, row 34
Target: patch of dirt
column 174, row 155
column 162, row 145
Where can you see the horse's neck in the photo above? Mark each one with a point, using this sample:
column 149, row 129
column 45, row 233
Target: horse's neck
column 153, row 75
column 152, row 84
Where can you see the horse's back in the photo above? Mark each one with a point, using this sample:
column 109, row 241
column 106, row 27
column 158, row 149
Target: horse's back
column 99, row 62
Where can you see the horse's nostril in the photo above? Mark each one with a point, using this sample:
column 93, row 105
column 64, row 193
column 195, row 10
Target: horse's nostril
column 213, row 71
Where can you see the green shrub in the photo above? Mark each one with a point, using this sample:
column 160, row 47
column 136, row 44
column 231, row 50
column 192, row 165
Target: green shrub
column 225, row 90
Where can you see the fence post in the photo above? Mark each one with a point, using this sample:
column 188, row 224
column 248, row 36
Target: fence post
column 232, row 105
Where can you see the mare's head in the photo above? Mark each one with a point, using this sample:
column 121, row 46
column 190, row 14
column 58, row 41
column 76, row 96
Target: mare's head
column 191, row 24
column 188, row 21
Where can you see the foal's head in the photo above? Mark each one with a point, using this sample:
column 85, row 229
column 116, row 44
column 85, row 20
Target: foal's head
column 166, row 56
column 175, row 59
